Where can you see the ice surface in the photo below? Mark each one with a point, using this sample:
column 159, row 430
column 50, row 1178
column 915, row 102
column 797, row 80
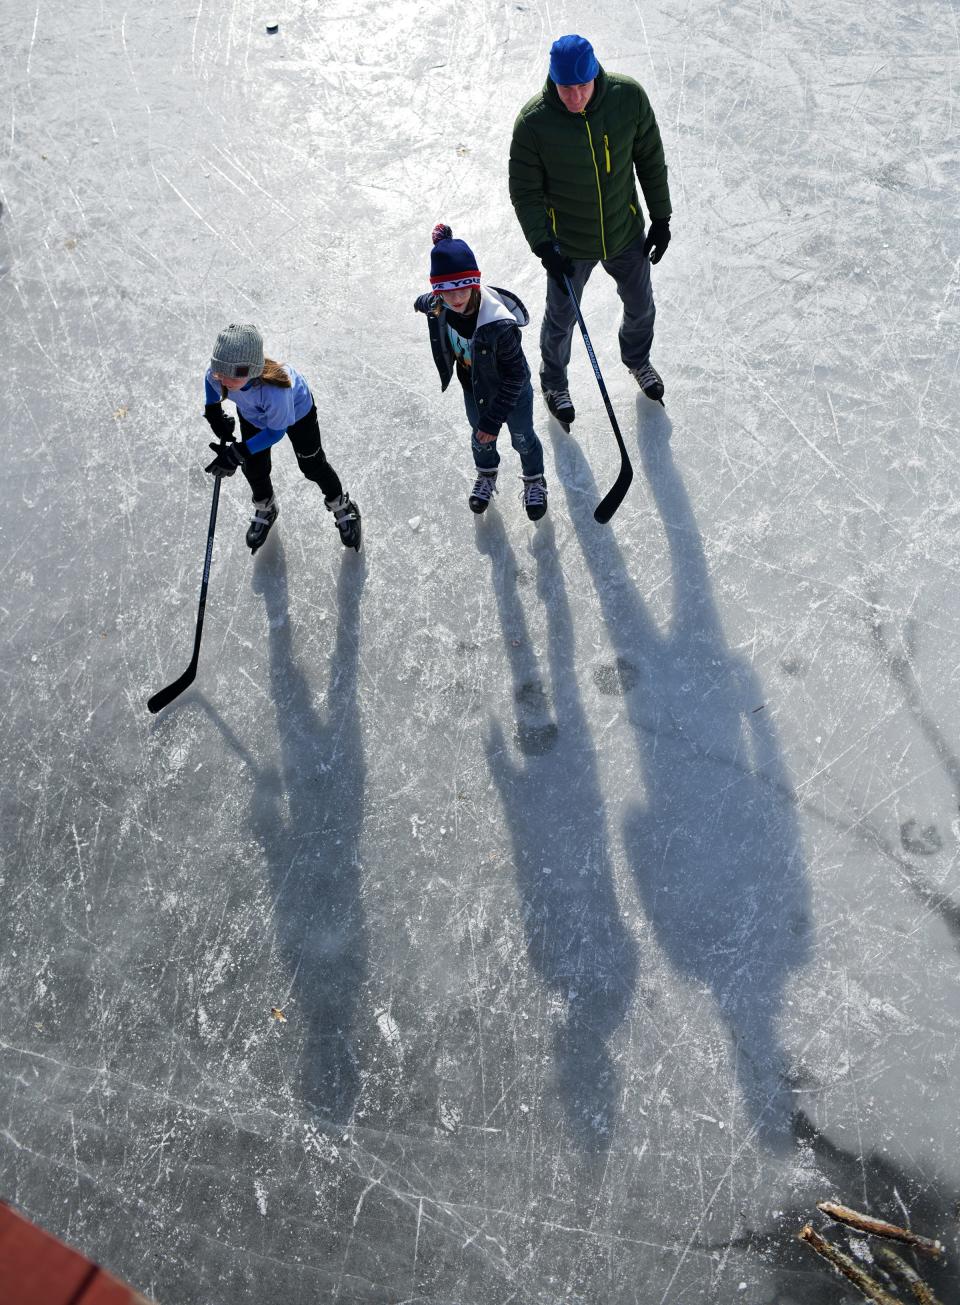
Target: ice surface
column 607, row 877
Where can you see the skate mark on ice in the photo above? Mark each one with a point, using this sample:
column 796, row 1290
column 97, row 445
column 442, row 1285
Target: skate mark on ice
column 914, row 839
column 921, row 842
column 793, row 666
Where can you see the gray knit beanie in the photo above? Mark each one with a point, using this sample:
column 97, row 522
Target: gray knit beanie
column 238, row 353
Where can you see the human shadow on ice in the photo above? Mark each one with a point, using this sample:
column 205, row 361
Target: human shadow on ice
column 713, row 843
column 577, row 942
column 308, row 818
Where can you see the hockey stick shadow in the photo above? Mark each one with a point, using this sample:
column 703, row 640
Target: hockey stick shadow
column 578, row 945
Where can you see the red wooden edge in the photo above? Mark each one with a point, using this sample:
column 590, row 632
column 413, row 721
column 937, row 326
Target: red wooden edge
column 36, row 1268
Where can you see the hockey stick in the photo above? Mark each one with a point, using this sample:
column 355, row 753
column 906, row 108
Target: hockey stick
column 167, row 695
column 615, row 496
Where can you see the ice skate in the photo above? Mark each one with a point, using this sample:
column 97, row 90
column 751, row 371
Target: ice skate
column 650, row 381
column 265, row 513
column 484, row 488
column 346, row 516
column 535, row 496
column 560, row 406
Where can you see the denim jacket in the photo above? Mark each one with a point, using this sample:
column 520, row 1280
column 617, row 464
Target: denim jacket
column 499, row 370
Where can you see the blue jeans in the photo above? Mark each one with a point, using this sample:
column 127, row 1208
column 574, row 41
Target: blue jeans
column 522, row 435
column 631, row 271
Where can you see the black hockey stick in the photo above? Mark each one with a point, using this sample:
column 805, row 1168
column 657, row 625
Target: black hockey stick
column 615, row 496
column 167, row 695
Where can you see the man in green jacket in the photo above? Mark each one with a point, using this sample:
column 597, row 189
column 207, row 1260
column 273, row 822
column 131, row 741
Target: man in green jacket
column 578, row 150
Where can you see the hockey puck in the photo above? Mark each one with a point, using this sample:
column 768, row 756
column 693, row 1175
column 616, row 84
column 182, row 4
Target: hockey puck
column 273, row 27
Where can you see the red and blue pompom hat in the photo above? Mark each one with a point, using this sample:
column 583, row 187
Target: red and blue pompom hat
column 453, row 265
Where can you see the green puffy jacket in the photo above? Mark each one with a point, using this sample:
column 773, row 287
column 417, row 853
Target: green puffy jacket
column 572, row 174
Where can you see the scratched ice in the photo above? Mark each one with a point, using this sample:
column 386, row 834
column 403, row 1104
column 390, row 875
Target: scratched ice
column 607, row 878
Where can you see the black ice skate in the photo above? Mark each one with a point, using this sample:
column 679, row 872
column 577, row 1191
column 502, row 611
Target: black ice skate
column 650, row 381
column 484, row 488
column 264, row 515
column 346, row 516
column 560, row 406
column 535, row 496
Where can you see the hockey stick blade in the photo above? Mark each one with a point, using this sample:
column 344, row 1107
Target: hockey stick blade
column 615, row 496
column 165, row 696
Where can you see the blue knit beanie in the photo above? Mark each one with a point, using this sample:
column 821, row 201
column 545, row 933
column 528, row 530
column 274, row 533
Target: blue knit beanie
column 572, row 61
column 452, row 262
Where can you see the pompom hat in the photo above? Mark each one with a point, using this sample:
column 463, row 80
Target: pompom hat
column 238, row 353
column 453, row 265
column 572, row 61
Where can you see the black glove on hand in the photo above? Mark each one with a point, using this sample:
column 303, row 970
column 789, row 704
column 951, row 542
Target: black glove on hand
column 658, row 237
column 557, row 264
column 425, row 303
column 229, row 457
column 221, row 425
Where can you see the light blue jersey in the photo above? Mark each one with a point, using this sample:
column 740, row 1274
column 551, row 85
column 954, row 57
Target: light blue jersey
column 268, row 407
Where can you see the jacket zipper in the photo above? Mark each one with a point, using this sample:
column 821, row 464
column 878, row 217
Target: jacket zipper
column 596, row 170
column 606, row 150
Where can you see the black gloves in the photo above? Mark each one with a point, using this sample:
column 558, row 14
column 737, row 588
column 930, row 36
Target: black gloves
column 425, row 303
column 658, row 237
column 229, row 457
column 221, row 425
column 557, row 264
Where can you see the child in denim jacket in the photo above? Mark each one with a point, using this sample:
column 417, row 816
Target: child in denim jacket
column 475, row 331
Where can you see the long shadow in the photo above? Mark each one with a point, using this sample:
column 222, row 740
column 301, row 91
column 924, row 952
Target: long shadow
column 308, row 819
column 577, row 941
column 713, row 844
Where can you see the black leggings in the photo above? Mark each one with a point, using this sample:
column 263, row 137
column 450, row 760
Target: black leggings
column 304, row 435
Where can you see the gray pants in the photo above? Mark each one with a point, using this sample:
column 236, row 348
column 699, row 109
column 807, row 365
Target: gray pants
column 631, row 271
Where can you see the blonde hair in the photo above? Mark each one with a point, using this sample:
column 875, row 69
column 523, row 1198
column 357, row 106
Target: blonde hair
column 273, row 374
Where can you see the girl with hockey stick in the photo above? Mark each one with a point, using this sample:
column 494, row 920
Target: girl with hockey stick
column 272, row 400
column 475, row 331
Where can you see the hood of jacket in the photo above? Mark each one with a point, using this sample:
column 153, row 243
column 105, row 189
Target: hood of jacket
column 498, row 305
